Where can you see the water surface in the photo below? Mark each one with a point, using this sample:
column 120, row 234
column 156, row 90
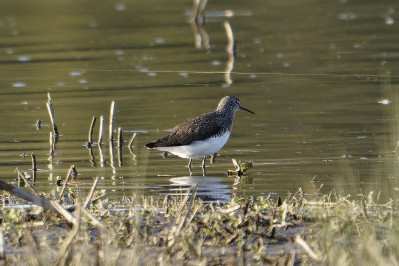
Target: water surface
column 321, row 77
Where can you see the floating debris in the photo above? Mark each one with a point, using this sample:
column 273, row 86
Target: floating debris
column 241, row 168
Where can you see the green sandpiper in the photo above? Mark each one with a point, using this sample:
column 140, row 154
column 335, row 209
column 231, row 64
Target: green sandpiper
column 202, row 136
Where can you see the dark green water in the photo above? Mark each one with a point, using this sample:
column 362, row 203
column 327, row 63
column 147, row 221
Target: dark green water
column 322, row 78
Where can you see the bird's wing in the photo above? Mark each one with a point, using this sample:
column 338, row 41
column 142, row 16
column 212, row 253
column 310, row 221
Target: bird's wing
column 198, row 128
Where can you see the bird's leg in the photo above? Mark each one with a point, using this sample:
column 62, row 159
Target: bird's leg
column 213, row 158
column 189, row 166
column 203, row 166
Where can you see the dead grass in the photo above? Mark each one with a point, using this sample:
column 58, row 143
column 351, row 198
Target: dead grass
column 332, row 229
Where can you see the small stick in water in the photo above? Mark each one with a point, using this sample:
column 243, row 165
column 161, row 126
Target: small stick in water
column 38, row 124
column 34, row 169
column 90, row 138
column 111, row 120
column 100, row 130
column 130, row 146
column 131, row 140
column 120, row 138
column 51, row 114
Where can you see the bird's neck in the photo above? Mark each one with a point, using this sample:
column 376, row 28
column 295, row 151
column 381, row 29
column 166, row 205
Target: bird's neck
column 227, row 118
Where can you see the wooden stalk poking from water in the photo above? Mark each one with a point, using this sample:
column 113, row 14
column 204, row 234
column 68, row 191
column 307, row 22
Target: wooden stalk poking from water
column 130, row 146
column 100, row 130
column 34, row 169
column 131, row 140
column 50, row 110
column 111, row 121
column 90, row 137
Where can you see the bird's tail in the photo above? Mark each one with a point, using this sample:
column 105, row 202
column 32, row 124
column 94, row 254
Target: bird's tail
column 150, row 145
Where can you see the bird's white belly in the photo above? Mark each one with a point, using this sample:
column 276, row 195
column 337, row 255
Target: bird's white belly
column 199, row 149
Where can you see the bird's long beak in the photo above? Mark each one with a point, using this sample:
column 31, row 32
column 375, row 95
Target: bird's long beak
column 245, row 109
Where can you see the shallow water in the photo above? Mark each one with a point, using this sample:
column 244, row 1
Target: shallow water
column 321, row 77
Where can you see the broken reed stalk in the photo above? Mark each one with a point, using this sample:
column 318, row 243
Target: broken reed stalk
column 111, row 121
column 21, row 175
column 90, row 195
column 50, row 110
column 38, row 200
column 120, row 138
column 34, row 169
column 90, row 137
column 131, row 140
column 64, row 252
column 300, row 241
column 100, row 130
column 66, row 182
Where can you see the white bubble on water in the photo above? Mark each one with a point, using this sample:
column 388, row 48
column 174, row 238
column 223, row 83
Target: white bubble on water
column 384, row 102
column 19, row 84
column 389, row 21
column 120, row 7
column 347, row 16
column 76, row 73
column 216, row 63
column 183, row 74
column 24, row 58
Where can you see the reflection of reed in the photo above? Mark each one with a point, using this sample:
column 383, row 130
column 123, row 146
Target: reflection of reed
column 120, row 161
column 100, row 151
column 92, row 158
column 100, row 130
column 111, row 156
column 34, row 168
column 201, row 37
column 231, row 51
column 120, row 146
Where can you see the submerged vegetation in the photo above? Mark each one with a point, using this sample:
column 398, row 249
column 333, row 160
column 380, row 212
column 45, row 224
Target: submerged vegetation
column 183, row 230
